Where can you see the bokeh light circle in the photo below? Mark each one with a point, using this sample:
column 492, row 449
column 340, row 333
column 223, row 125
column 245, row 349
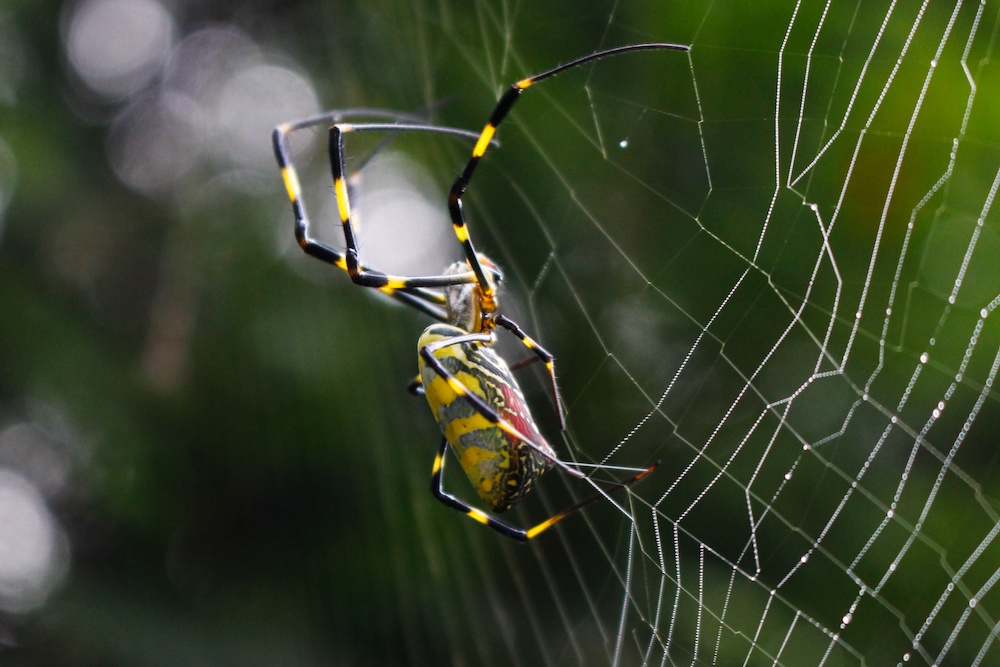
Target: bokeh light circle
column 117, row 46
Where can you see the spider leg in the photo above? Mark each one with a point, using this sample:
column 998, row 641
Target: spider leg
column 417, row 300
column 437, row 488
column 500, row 111
column 352, row 262
column 426, row 300
column 478, row 404
column 541, row 354
column 519, row 534
column 544, row 356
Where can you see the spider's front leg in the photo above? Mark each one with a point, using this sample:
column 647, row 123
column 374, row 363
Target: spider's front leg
column 360, row 275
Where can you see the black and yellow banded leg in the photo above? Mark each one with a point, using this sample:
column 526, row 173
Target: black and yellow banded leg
column 543, row 355
column 500, row 111
column 477, row 403
column 437, row 488
column 427, row 301
column 361, row 275
column 513, row 532
column 289, row 175
column 410, row 293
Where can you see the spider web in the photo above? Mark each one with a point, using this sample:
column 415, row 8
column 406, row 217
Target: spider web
column 771, row 265
column 768, row 263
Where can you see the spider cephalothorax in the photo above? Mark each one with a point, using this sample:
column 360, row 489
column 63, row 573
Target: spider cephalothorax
column 466, row 305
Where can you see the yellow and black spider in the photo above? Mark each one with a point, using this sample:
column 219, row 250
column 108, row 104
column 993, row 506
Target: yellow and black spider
column 471, row 390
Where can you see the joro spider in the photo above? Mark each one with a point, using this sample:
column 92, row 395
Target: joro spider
column 471, row 390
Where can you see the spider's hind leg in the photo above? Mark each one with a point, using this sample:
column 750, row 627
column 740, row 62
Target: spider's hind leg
column 502, row 527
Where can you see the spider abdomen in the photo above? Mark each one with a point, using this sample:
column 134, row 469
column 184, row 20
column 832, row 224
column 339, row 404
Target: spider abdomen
column 501, row 466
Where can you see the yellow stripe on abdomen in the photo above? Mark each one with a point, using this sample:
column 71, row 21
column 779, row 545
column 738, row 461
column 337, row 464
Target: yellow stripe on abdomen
column 456, row 428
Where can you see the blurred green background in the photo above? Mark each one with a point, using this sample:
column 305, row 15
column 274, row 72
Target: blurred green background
column 206, row 434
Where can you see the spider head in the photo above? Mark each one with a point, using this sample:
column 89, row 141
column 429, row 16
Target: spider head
column 468, row 307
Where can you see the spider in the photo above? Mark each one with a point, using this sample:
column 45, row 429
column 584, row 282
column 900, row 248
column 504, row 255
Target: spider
column 470, row 389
